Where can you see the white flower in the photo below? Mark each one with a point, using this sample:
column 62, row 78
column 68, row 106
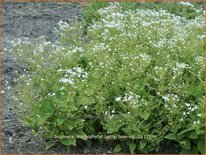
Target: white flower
column 117, row 99
column 65, row 80
column 111, row 116
column 62, row 88
column 51, row 94
column 63, row 25
column 199, row 115
column 170, row 97
column 186, row 4
column 77, row 49
column 187, row 104
column 166, row 98
column 78, row 69
column 182, row 65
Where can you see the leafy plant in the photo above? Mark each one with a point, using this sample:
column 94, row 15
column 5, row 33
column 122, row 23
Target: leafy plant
column 186, row 10
column 137, row 73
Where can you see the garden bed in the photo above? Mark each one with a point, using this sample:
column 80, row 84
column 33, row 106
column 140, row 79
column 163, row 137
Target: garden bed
column 118, row 60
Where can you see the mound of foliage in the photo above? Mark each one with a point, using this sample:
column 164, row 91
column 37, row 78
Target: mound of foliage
column 184, row 9
column 137, row 74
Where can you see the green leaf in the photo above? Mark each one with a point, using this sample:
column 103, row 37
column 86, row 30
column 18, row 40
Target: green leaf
column 145, row 115
column 69, row 124
column 185, row 144
column 117, row 148
column 81, row 134
column 127, row 130
column 184, row 131
column 62, row 108
column 142, row 144
column 60, row 105
column 171, row 136
column 71, row 106
column 56, row 87
column 32, row 122
column 52, row 133
column 201, row 145
column 43, row 111
column 132, row 147
column 68, row 141
column 200, row 131
column 50, row 144
column 113, row 126
column 45, row 107
column 193, row 135
column 198, row 91
column 61, row 119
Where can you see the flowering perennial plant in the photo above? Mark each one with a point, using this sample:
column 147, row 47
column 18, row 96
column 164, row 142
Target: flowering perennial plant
column 136, row 72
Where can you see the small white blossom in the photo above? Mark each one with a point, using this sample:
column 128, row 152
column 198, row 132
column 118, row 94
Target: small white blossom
column 118, row 99
column 199, row 115
column 85, row 107
column 62, row 88
column 186, row 4
column 51, row 94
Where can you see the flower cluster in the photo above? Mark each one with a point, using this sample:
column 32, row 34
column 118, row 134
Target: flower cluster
column 133, row 71
column 70, row 75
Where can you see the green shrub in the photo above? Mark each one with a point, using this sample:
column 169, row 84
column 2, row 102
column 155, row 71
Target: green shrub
column 137, row 73
column 183, row 9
